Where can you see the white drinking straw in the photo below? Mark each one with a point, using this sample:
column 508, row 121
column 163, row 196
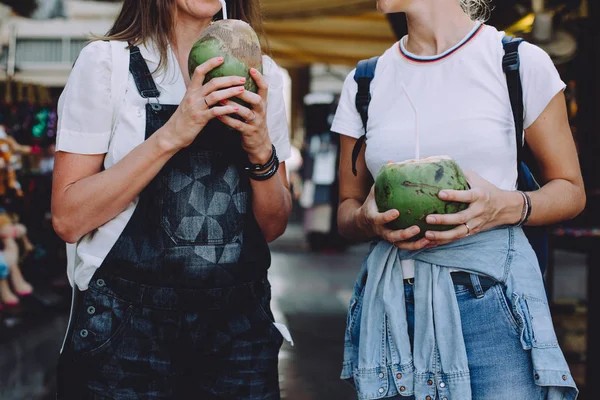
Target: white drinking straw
column 417, row 144
column 224, row 7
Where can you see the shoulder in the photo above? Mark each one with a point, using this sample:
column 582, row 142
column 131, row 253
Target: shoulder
column 96, row 51
column 534, row 56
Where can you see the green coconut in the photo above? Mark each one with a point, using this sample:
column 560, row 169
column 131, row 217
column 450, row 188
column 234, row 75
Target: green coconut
column 412, row 188
column 237, row 43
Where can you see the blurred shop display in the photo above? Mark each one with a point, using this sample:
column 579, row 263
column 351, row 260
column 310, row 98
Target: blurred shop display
column 320, row 188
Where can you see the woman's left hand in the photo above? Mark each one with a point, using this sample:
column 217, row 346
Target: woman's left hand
column 486, row 203
column 253, row 127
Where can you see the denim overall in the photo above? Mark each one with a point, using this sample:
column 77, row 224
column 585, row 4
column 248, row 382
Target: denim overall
column 179, row 309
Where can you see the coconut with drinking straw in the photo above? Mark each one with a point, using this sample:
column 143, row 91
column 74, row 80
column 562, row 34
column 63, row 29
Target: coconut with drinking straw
column 236, row 42
column 412, row 187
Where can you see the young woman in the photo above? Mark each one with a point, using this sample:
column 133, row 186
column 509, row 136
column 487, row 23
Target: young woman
column 458, row 314
column 170, row 214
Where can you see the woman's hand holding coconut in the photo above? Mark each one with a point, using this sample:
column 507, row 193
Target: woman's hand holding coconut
column 488, row 208
column 253, row 126
column 374, row 223
column 202, row 103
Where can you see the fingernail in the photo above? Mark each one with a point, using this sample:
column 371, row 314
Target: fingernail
column 243, row 80
column 443, row 195
column 414, row 231
column 237, row 109
column 241, row 89
column 220, row 59
column 430, row 235
column 431, row 220
column 252, row 71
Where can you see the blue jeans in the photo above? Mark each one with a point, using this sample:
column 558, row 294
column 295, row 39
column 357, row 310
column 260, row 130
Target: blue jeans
column 500, row 369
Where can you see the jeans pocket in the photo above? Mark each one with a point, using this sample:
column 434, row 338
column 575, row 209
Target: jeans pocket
column 101, row 320
column 203, row 201
column 498, row 291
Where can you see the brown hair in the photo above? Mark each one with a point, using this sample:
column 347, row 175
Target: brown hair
column 143, row 20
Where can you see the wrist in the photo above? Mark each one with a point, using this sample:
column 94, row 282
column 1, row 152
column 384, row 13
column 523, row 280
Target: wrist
column 513, row 205
column 166, row 142
column 261, row 155
column 361, row 223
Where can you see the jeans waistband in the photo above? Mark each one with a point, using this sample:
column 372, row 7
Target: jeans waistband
column 180, row 298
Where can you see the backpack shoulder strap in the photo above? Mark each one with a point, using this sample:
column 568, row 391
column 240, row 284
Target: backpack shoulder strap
column 364, row 74
column 510, row 65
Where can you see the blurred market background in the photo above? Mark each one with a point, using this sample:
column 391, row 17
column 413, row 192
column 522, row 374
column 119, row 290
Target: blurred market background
column 317, row 43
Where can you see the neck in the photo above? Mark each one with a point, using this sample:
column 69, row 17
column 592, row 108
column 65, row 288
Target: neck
column 434, row 27
column 187, row 31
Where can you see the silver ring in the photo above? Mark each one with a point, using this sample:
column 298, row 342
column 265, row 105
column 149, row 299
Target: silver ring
column 468, row 229
column 207, row 105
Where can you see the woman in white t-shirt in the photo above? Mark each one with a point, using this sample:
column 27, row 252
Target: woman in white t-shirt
column 171, row 203
column 449, row 68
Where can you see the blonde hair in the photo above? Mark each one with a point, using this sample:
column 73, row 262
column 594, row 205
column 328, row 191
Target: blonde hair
column 477, row 10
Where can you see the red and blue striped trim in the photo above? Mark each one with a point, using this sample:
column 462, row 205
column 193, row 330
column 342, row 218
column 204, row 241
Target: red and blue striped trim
column 444, row 55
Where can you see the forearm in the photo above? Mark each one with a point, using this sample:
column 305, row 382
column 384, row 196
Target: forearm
column 93, row 201
column 559, row 200
column 348, row 223
column 272, row 204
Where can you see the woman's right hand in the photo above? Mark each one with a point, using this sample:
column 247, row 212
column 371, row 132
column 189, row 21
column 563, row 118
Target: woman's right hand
column 198, row 105
column 373, row 223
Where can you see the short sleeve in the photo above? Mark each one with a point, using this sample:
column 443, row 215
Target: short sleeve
column 84, row 106
column 347, row 120
column 277, row 121
column 541, row 81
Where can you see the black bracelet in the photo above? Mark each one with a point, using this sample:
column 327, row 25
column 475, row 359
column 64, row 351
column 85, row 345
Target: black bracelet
column 269, row 164
column 268, row 174
column 528, row 209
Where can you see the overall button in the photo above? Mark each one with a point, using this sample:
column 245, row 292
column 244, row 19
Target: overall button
column 442, row 385
column 100, row 282
column 83, row 333
column 381, row 375
column 428, row 398
column 537, row 376
column 564, row 377
column 91, row 310
column 402, row 388
column 444, row 398
column 429, row 382
column 399, row 375
column 381, row 390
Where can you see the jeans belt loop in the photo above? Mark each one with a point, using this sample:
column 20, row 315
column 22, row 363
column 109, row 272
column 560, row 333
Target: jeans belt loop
column 477, row 289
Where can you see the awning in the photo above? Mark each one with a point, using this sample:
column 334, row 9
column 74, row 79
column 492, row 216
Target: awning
column 339, row 39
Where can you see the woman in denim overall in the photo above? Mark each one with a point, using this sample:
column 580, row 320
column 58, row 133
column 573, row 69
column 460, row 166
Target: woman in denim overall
column 458, row 314
column 178, row 308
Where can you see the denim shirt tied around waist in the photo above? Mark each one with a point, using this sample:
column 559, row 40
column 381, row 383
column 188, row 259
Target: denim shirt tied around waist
column 377, row 351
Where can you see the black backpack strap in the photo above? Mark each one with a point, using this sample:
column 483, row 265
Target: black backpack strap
column 364, row 74
column 510, row 65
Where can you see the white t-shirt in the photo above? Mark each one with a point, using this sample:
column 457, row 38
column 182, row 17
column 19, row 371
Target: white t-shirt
column 84, row 127
column 462, row 106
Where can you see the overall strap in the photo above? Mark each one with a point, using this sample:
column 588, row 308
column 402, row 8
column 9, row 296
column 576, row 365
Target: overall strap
column 510, row 65
column 364, row 74
column 142, row 76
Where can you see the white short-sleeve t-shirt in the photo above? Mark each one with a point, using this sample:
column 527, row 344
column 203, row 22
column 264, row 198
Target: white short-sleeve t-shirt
column 85, row 123
column 462, row 106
